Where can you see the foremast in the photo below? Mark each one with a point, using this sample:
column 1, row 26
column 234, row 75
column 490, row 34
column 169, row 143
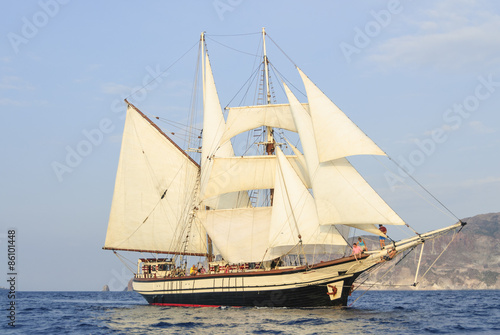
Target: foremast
column 270, row 143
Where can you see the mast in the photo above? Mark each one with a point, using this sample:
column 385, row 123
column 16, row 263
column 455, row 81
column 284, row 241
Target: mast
column 202, row 41
column 210, row 255
column 270, row 143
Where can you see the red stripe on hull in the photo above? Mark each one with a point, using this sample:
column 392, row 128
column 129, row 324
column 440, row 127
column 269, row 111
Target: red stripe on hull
column 185, row 305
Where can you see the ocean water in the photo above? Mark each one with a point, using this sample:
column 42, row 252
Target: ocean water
column 377, row 312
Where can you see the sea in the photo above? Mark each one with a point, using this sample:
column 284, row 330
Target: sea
column 375, row 312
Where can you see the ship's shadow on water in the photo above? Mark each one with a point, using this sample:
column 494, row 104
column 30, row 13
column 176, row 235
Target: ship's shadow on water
column 377, row 312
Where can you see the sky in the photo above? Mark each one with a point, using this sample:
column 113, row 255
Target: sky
column 420, row 78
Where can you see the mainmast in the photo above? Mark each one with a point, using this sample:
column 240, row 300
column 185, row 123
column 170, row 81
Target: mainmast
column 270, row 142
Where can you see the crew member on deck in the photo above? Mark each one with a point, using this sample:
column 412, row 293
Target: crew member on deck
column 382, row 238
column 362, row 244
column 356, row 250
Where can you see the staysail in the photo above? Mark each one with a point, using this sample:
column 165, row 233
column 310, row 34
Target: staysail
column 213, row 129
column 295, row 226
column 331, row 125
column 341, row 194
column 154, row 190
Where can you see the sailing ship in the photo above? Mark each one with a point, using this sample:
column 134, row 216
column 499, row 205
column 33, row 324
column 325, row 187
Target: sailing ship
column 288, row 251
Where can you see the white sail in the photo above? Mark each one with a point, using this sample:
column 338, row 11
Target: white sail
column 370, row 228
column 240, row 235
column 301, row 166
column 213, row 129
column 154, row 188
column 213, row 122
column 241, row 119
column 295, row 218
column 352, row 200
column 231, row 174
column 335, row 134
column 342, row 196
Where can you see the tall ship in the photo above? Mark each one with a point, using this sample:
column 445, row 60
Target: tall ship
column 270, row 229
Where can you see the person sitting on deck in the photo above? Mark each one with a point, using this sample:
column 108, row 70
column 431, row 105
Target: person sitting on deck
column 193, row 271
column 356, row 250
column 362, row 244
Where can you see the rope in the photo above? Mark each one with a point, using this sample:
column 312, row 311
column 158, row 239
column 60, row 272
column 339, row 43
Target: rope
column 453, row 238
column 259, row 33
column 243, row 52
column 427, row 191
column 168, row 68
column 250, row 78
column 392, row 267
column 284, row 79
column 284, row 53
column 121, row 260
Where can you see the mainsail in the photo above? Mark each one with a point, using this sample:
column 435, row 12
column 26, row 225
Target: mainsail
column 154, row 190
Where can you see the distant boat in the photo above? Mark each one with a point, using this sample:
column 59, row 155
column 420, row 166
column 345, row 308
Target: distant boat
column 285, row 251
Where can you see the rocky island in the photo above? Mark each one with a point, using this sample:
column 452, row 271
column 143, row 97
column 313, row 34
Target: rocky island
column 470, row 262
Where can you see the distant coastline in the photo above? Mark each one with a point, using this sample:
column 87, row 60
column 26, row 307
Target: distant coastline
column 463, row 266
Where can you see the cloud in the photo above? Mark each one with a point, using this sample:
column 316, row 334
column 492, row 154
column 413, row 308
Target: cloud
column 481, row 128
column 14, row 83
column 115, row 89
column 450, row 36
column 16, row 103
column 479, row 182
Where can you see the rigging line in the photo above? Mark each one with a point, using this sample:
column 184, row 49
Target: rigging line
column 284, row 53
column 283, row 78
column 417, row 193
column 254, row 76
column 180, row 230
column 121, row 260
column 361, row 194
column 392, row 267
column 243, row 34
column 455, row 234
column 168, row 68
column 243, row 52
column 156, row 205
column 428, row 192
column 176, row 123
column 180, row 131
column 251, row 76
column 193, row 110
column 125, row 258
column 290, row 203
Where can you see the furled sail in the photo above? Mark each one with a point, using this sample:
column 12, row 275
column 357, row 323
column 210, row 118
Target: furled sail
column 341, row 194
column 335, row 134
column 154, row 190
column 241, row 119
